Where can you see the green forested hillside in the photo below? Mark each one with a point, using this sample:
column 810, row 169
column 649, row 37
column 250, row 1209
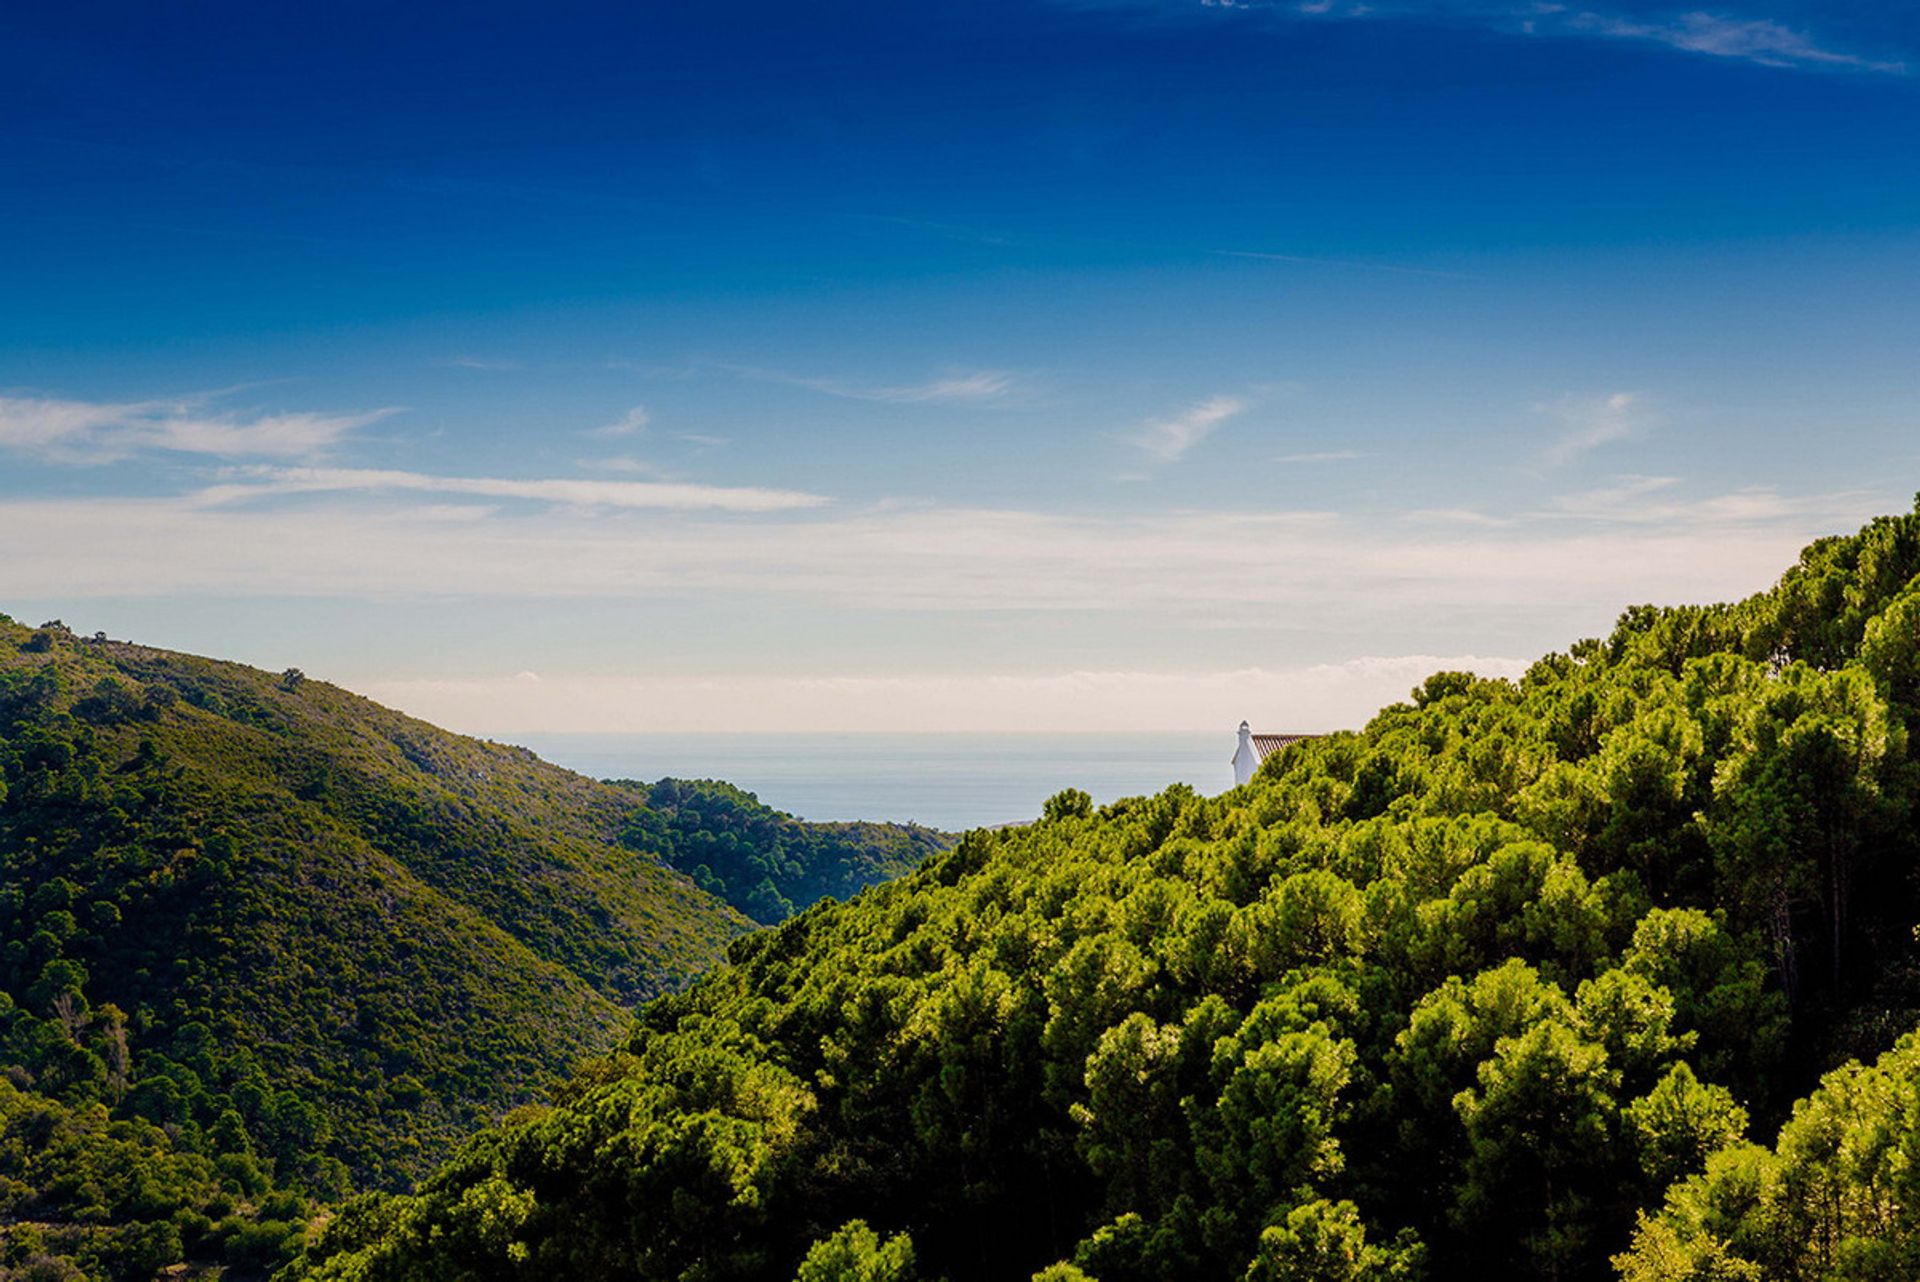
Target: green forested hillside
column 1520, row 981
column 258, row 932
column 765, row 862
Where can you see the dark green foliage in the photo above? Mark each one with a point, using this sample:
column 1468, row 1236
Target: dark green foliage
column 762, row 861
column 1459, row 996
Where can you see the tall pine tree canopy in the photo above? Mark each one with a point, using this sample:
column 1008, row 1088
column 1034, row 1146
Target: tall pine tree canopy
column 1522, row 980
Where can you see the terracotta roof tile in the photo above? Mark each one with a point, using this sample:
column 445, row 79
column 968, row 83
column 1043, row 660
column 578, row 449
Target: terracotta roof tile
column 1266, row 744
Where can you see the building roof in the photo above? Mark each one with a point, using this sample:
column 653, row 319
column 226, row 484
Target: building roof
column 1266, row 744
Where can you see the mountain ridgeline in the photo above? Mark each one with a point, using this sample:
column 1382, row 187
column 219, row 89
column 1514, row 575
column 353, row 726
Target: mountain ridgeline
column 1523, row 980
column 263, row 941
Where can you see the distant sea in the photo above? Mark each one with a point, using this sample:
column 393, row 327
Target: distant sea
column 951, row 781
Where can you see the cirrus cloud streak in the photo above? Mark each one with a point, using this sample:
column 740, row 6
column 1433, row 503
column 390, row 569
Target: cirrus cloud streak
column 682, row 496
column 93, row 432
column 1757, row 36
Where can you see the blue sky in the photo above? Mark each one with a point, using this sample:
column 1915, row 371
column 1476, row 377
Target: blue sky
column 1140, row 364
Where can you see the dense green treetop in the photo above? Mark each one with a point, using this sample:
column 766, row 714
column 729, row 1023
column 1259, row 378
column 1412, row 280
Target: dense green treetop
column 1835, row 1198
column 1509, row 984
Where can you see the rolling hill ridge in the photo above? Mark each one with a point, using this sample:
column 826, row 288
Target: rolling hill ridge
column 252, row 918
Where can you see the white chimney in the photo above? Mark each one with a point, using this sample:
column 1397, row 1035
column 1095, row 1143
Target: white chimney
column 1245, row 759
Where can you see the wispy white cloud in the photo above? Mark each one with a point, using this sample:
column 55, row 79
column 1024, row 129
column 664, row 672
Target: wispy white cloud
column 1588, row 424
column 622, row 463
column 1321, row 456
column 1653, row 501
column 1460, row 516
column 1760, row 40
column 270, row 483
column 1754, row 36
column 1622, row 495
column 92, row 432
column 1169, row 439
column 633, row 422
column 965, row 386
